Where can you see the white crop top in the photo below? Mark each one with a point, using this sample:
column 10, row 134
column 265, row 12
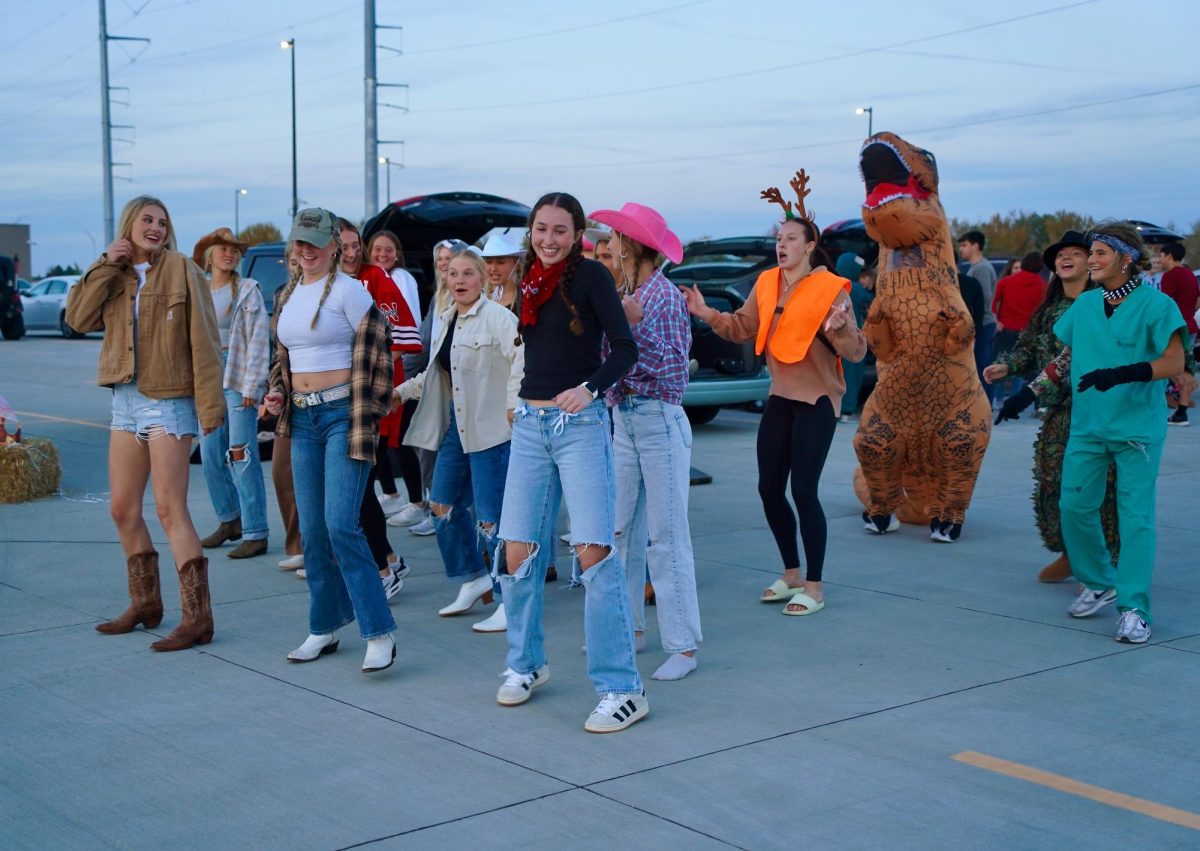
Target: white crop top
column 329, row 345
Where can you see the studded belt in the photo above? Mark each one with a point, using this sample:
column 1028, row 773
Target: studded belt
column 320, row 397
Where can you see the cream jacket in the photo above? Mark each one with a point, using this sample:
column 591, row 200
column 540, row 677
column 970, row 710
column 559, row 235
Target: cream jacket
column 487, row 362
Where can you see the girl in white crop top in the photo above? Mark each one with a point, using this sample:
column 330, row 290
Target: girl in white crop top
column 326, row 344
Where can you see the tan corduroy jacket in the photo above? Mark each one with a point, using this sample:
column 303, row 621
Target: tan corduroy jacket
column 178, row 346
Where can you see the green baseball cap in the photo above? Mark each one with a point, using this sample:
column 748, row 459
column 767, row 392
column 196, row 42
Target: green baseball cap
column 314, row 226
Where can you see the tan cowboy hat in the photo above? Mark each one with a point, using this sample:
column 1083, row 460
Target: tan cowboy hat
column 221, row 236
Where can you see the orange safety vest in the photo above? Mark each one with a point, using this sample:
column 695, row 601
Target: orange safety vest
column 803, row 313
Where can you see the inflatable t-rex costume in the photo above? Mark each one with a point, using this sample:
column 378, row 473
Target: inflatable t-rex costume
column 926, row 426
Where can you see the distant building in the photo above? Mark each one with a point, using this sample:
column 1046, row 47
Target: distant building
column 14, row 242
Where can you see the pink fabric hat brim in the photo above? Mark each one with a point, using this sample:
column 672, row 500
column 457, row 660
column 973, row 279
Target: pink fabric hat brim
column 644, row 224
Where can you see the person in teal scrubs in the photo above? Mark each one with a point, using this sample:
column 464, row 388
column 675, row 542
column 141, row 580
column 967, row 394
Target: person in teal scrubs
column 1125, row 340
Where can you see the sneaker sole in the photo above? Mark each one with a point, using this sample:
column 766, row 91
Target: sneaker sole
column 1099, row 604
column 1125, row 639
column 538, row 683
column 632, row 719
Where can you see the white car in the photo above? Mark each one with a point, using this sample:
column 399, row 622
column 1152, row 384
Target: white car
column 45, row 305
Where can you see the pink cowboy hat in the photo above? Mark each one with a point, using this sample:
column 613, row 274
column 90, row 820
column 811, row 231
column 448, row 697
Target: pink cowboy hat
column 644, row 224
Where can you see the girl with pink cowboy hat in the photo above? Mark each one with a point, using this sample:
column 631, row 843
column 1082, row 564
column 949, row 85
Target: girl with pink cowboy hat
column 652, row 439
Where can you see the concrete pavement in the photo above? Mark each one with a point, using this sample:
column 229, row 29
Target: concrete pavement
column 838, row 730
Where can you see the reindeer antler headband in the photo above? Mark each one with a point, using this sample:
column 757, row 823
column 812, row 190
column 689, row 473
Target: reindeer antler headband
column 799, row 185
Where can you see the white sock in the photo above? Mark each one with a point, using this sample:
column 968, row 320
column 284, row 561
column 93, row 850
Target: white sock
column 676, row 667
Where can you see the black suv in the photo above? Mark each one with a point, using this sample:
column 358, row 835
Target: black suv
column 12, row 319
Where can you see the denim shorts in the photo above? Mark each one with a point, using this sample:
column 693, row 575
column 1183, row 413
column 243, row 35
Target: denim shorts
column 149, row 418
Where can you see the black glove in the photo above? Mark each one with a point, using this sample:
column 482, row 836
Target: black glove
column 1107, row 379
column 1014, row 405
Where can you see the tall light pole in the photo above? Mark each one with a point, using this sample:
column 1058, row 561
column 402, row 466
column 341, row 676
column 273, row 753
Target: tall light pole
column 290, row 46
column 237, row 196
column 387, row 163
column 868, row 111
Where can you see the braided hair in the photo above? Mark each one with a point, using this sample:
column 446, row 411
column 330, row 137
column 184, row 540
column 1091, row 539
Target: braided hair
column 571, row 205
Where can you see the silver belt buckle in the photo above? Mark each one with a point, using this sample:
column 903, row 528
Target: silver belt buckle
column 303, row 400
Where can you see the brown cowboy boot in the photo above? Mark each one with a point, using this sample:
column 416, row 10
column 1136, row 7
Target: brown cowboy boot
column 196, row 625
column 1056, row 571
column 145, row 606
column 231, row 531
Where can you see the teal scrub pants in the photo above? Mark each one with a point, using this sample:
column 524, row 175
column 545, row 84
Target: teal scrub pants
column 1085, row 467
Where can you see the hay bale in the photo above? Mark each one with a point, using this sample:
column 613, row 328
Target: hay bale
column 28, row 470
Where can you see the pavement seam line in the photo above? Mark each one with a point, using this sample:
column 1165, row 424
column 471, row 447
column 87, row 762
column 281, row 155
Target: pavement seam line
column 1062, row 783
column 658, row 816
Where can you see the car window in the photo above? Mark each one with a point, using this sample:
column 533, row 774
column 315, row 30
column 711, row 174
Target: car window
column 57, row 288
column 270, row 272
column 40, row 288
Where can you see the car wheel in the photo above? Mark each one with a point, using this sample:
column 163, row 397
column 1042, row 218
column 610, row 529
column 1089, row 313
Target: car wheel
column 13, row 329
column 65, row 329
column 701, row 414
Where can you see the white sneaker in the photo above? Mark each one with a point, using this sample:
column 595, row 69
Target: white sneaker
column 292, row 562
column 381, row 652
column 1131, row 629
column 314, row 647
column 300, row 574
column 406, row 515
column 1089, row 602
column 616, row 712
column 498, row 622
column 424, row 528
column 392, row 584
column 517, row 688
column 391, row 504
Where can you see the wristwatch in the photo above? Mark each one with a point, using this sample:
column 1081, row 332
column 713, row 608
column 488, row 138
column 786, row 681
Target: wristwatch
column 591, row 389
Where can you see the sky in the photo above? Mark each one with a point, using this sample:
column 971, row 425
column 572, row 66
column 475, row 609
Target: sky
column 689, row 106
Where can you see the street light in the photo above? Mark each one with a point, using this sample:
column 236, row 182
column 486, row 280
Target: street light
column 237, row 196
column 868, row 111
column 290, row 46
column 384, row 161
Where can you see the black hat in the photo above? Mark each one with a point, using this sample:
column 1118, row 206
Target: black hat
column 1071, row 237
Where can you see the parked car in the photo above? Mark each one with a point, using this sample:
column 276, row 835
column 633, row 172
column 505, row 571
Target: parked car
column 264, row 263
column 46, row 306
column 23, row 286
column 12, row 322
column 425, row 220
column 850, row 235
column 727, row 373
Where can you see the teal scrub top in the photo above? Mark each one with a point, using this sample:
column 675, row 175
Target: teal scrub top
column 1139, row 330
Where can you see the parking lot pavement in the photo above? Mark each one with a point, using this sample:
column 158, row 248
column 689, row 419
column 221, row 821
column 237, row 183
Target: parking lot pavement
column 880, row 722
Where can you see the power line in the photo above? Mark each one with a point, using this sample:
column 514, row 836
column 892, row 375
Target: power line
column 773, row 69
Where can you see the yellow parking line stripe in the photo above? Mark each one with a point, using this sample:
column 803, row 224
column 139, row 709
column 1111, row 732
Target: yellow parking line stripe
column 1084, row 790
column 63, row 420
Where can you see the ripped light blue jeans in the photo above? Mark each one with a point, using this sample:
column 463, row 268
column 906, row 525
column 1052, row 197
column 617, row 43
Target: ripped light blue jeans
column 555, row 454
column 236, row 486
column 460, row 480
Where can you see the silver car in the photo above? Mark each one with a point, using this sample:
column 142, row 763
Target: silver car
column 46, row 305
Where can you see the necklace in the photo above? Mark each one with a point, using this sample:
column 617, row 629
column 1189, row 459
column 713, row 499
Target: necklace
column 1123, row 290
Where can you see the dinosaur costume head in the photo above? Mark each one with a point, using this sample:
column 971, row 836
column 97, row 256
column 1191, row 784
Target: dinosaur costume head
column 902, row 208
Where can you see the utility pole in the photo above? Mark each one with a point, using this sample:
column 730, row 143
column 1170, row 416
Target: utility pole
column 106, row 125
column 371, row 100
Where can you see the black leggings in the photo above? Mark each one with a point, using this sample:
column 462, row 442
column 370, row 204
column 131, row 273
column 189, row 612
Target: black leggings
column 406, row 458
column 374, row 524
column 794, row 438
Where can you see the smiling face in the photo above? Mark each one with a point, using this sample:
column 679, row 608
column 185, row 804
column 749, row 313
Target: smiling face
column 1105, row 265
column 1071, row 263
column 149, row 233
column 315, row 263
column 464, row 280
column 792, row 245
column 351, row 252
column 553, row 234
column 499, row 270
column 224, row 258
column 383, row 253
column 443, row 260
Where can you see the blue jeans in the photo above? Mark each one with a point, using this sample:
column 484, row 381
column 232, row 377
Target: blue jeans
column 652, row 448
column 460, row 480
column 555, row 454
column 329, row 491
column 236, row 487
column 983, row 356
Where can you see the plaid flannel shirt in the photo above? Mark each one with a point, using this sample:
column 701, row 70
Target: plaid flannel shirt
column 249, row 359
column 370, row 383
column 664, row 338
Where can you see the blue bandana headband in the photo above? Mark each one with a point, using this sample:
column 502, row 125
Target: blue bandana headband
column 1117, row 245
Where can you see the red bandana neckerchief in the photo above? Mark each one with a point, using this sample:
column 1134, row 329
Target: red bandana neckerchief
column 537, row 285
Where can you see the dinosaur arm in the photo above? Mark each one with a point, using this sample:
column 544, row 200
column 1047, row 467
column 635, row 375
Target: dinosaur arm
column 960, row 331
column 879, row 333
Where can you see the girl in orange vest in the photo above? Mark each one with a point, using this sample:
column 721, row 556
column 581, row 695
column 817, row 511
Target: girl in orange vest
column 800, row 315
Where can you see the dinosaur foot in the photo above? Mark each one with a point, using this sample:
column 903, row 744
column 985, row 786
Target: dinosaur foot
column 880, row 524
column 944, row 531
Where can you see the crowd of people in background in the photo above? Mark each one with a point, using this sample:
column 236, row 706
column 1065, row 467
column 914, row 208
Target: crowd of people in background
column 543, row 372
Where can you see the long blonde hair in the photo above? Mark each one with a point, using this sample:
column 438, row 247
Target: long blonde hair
column 130, row 213
column 295, row 281
column 234, row 277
